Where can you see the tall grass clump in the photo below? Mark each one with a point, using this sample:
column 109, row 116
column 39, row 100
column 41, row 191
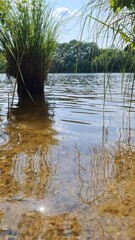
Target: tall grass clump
column 28, row 35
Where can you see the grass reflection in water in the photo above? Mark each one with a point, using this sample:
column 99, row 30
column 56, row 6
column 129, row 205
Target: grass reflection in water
column 108, row 184
column 26, row 165
column 25, row 162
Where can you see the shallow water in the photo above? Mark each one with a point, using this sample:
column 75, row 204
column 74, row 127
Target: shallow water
column 67, row 165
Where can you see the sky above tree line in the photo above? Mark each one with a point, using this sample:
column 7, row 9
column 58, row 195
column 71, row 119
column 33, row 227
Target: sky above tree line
column 70, row 12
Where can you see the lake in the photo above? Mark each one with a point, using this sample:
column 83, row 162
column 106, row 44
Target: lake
column 67, row 164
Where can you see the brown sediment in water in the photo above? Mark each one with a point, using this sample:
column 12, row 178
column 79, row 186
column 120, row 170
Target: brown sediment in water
column 36, row 226
column 111, row 216
column 121, row 193
column 118, row 207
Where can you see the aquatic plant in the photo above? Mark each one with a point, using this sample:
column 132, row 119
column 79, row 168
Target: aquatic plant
column 28, row 35
column 112, row 23
column 114, row 19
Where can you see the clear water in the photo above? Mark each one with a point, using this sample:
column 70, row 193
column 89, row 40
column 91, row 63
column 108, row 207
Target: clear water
column 67, row 164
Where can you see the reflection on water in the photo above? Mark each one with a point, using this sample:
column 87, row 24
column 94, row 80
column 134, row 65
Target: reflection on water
column 25, row 157
column 68, row 158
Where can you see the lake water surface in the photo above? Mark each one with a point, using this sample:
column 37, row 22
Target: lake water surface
column 67, row 164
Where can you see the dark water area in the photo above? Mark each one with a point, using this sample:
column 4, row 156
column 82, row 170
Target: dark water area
column 67, row 164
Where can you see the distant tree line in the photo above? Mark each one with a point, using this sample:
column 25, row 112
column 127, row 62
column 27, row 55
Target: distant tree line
column 87, row 57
